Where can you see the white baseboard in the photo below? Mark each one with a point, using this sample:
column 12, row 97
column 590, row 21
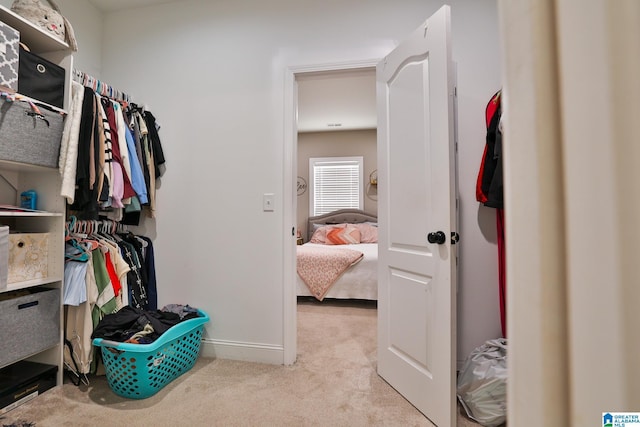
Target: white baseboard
column 248, row 352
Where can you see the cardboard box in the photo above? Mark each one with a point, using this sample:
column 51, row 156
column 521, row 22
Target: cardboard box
column 23, row 381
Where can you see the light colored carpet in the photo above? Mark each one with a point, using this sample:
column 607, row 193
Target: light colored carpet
column 333, row 383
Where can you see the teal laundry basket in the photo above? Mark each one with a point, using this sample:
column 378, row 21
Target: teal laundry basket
column 138, row 371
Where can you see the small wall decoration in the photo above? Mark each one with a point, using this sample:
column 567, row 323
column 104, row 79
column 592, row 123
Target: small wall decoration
column 372, row 186
column 302, row 186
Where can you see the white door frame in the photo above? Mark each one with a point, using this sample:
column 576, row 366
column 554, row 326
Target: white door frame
column 290, row 218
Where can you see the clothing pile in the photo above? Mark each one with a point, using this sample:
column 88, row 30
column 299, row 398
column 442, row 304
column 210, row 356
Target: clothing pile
column 133, row 325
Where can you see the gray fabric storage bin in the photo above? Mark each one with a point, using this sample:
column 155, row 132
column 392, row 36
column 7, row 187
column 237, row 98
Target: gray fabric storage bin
column 28, row 137
column 29, row 323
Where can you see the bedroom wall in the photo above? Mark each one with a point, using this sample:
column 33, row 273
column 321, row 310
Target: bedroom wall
column 337, row 144
column 212, row 73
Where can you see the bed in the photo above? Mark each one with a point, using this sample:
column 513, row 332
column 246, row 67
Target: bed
column 358, row 280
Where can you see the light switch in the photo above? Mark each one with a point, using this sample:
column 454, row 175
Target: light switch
column 267, row 202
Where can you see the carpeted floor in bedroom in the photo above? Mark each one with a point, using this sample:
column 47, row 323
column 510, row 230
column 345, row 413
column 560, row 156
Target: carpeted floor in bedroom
column 333, row 383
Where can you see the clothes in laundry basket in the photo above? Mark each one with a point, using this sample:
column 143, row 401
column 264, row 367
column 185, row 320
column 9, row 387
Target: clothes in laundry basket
column 134, row 325
column 138, row 371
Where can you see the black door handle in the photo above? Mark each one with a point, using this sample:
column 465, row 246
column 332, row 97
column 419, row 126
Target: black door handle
column 437, row 237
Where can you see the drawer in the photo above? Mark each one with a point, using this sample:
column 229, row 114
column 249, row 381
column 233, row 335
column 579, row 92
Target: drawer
column 28, row 256
column 29, row 323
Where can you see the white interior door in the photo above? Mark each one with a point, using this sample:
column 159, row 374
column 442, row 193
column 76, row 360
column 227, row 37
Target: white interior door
column 416, row 197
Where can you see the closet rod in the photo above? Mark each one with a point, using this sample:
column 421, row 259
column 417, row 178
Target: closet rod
column 99, row 86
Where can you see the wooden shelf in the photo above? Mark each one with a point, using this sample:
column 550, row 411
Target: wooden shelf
column 4, row 213
column 31, row 283
column 8, row 165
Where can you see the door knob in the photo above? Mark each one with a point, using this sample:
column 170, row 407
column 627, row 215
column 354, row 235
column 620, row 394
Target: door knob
column 437, row 237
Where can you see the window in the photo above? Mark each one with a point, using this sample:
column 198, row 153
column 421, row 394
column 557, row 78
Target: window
column 335, row 183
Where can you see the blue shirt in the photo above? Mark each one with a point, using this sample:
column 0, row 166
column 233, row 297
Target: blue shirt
column 137, row 177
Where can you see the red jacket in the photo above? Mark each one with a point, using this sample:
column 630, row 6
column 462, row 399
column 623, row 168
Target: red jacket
column 489, row 183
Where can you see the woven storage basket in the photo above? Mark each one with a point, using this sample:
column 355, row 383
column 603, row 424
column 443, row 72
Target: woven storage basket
column 138, row 371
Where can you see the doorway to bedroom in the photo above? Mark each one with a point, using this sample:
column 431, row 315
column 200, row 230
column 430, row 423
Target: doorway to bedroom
column 336, row 123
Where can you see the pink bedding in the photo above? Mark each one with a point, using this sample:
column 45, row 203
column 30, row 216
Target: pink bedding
column 319, row 267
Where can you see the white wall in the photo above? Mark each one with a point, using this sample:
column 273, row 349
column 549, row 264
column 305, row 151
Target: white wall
column 213, row 74
column 476, row 51
column 87, row 23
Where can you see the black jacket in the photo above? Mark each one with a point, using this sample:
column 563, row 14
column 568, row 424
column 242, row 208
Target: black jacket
column 489, row 185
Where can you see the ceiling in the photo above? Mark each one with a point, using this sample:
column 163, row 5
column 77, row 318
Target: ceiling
column 337, row 100
column 114, row 5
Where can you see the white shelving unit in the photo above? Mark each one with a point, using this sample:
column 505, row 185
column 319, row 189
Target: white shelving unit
column 43, row 44
column 18, row 177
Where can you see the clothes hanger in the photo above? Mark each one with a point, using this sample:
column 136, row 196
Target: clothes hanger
column 77, row 377
column 81, row 255
column 67, row 349
column 72, row 239
column 69, row 225
column 143, row 242
column 82, row 234
column 102, row 241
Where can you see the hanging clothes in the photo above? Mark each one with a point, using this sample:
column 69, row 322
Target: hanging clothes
column 489, row 185
column 150, row 269
column 69, row 145
column 489, row 191
column 156, row 146
column 138, row 285
column 85, row 200
column 111, row 157
column 79, row 326
column 502, row 270
column 105, row 271
column 112, row 154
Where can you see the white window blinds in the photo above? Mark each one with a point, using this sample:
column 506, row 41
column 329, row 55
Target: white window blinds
column 336, row 183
